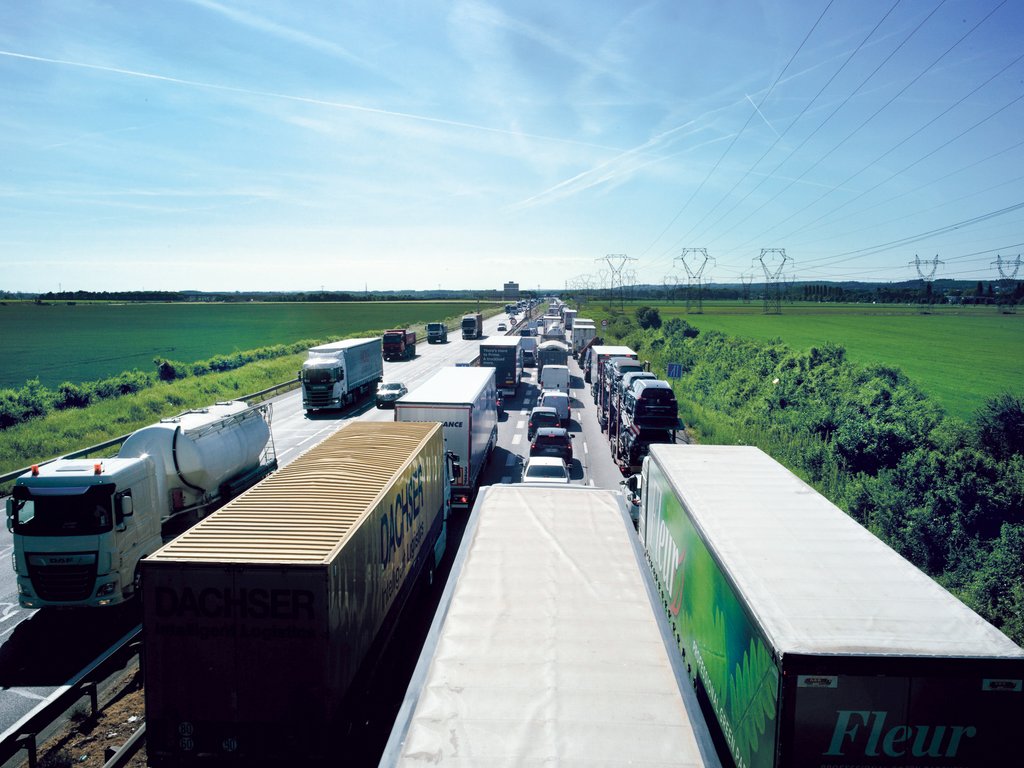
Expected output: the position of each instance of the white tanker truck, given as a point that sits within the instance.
(81, 526)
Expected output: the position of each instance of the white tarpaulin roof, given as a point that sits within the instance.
(816, 580)
(550, 652)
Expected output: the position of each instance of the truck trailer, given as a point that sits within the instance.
(399, 344)
(505, 355)
(551, 352)
(473, 325)
(549, 646)
(338, 374)
(583, 330)
(257, 621)
(464, 400)
(814, 643)
(81, 526)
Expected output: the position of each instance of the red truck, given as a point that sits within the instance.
(399, 344)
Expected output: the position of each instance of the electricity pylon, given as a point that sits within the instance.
(773, 262)
(694, 260)
(1007, 279)
(926, 272)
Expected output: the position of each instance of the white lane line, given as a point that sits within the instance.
(516, 439)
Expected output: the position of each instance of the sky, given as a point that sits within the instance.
(413, 144)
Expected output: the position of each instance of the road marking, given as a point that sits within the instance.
(520, 424)
(516, 439)
(585, 447)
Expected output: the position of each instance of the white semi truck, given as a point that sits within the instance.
(549, 647)
(82, 526)
(335, 375)
(464, 400)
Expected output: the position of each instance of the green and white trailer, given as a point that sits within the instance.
(812, 642)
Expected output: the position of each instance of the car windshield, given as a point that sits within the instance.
(390, 387)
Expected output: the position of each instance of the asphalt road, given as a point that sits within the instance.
(39, 651)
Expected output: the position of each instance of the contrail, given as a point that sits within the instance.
(759, 112)
(302, 100)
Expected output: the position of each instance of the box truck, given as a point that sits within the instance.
(399, 344)
(472, 325)
(549, 646)
(583, 330)
(464, 400)
(257, 620)
(340, 373)
(505, 355)
(814, 643)
(81, 526)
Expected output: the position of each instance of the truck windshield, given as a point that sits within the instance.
(393, 338)
(321, 375)
(67, 511)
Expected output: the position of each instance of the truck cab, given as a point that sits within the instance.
(80, 529)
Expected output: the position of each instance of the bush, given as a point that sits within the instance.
(648, 317)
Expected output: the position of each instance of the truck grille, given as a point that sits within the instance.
(318, 399)
(63, 582)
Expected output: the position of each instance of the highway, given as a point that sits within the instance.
(40, 651)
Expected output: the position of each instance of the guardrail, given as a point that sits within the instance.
(24, 735)
(84, 452)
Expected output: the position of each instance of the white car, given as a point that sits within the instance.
(545, 469)
(502, 327)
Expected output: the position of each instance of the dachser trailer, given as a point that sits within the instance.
(814, 643)
(464, 400)
(549, 646)
(258, 619)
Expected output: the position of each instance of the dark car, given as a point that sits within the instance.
(541, 416)
(552, 441)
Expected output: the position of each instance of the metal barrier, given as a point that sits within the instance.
(24, 734)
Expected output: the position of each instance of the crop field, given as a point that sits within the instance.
(90, 341)
(959, 355)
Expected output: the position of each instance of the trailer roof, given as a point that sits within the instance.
(501, 341)
(546, 648)
(817, 581)
(335, 346)
(613, 351)
(305, 511)
(456, 385)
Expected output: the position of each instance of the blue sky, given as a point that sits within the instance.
(222, 145)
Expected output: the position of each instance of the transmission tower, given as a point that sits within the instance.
(1007, 284)
(773, 262)
(671, 283)
(616, 262)
(746, 280)
(694, 260)
(926, 272)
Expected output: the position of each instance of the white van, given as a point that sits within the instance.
(555, 377)
(553, 398)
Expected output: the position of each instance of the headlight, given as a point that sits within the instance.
(106, 589)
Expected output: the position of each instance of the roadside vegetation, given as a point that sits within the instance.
(946, 493)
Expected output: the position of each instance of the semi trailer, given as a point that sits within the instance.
(338, 374)
(505, 355)
(812, 642)
(259, 621)
(549, 646)
(464, 400)
(473, 325)
(82, 526)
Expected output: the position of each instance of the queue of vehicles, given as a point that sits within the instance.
(843, 655)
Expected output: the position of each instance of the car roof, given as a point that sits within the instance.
(549, 460)
(552, 432)
(641, 384)
(544, 409)
(552, 393)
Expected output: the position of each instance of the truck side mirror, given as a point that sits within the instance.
(10, 515)
(127, 507)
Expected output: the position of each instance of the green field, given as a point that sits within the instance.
(90, 341)
(959, 355)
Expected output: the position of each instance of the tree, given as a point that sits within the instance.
(1000, 425)
(648, 317)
